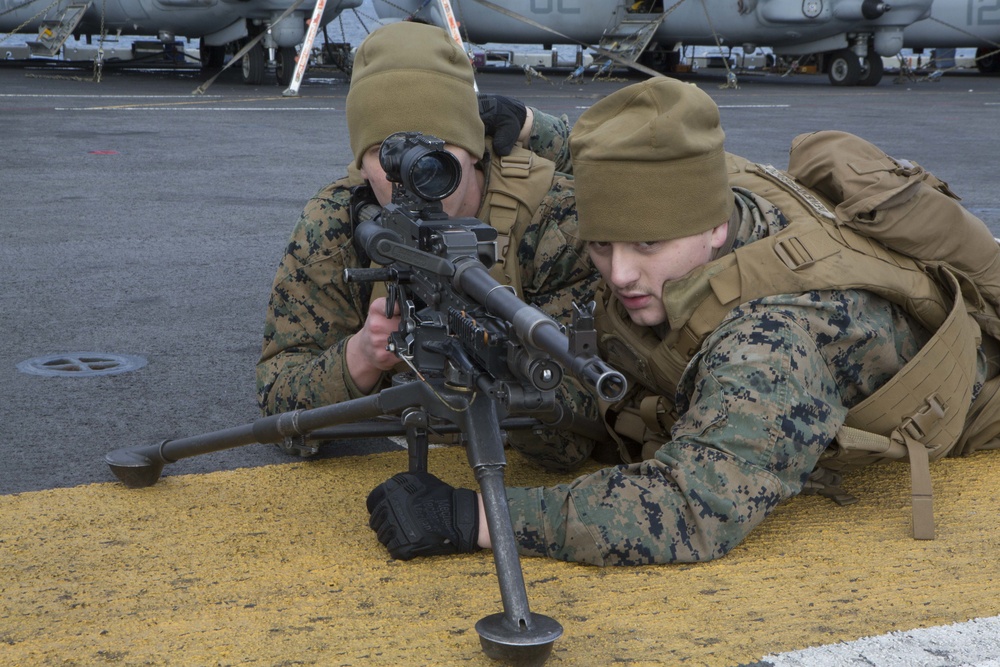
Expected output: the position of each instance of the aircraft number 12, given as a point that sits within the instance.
(984, 9)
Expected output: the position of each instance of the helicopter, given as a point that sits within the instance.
(223, 26)
(850, 37)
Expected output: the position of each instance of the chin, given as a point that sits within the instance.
(646, 319)
(639, 318)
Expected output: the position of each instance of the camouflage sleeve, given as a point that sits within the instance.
(550, 139)
(312, 312)
(758, 406)
(556, 271)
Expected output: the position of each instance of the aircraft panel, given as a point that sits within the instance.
(957, 24)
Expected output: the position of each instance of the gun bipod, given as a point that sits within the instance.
(517, 633)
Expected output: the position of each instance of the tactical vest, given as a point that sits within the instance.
(515, 186)
(922, 413)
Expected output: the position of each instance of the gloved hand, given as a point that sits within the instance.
(503, 117)
(416, 514)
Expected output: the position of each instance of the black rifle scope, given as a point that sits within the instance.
(420, 164)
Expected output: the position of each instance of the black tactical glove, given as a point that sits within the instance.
(503, 117)
(416, 514)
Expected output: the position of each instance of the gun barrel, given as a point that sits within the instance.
(537, 329)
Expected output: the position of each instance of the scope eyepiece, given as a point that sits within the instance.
(421, 164)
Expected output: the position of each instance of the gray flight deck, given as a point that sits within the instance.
(139, 219)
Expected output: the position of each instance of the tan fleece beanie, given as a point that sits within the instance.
(412, 77)
(649, 164)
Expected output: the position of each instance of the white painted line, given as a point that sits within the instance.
(108, 97)
(143, 108)
(975, 643)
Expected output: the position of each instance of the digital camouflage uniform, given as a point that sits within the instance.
(313, 311)
(758, 404)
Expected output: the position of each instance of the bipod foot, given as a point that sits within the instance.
(133, 468)
(524, 646)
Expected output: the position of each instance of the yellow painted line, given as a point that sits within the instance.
(277, 564)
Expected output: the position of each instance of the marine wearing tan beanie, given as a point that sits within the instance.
(649, 164)
(411, 77)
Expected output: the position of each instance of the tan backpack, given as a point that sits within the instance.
(903, 206)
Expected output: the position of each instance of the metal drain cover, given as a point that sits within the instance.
(81, 364)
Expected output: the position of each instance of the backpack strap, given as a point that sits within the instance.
(920, 412)
(516, 185)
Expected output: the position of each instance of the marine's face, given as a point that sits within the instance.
(636, 272)
(463, 202)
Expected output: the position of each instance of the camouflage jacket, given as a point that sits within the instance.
(312, 311)
(758, 404)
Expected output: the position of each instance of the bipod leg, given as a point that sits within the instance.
(415, 422)
(140, 466)
(517, 635)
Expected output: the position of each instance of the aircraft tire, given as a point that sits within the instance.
(844, 68)
(987, 64)
(871, 70)
(254, 63)
(660, 59)
(212, 58)
(285, 69)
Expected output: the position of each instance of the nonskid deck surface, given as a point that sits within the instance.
(276, 564)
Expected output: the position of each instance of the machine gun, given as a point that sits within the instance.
(480, 358)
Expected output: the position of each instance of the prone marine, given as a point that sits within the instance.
(776, 328)
(324, 338)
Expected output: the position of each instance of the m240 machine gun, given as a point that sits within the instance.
(481, 360)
